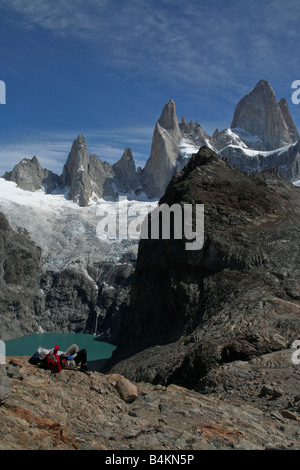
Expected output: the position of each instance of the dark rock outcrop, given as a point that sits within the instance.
(21, 268)
(236, 298)
(69, 301)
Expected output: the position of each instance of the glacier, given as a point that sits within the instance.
(64, 231)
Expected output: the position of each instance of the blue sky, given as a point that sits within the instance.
(105, 68)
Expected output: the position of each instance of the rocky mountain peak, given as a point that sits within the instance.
(265, 87)
(264, 118)
(127, 155)
(79, 149)
(168, 118)
(165, 150)
(80, 142)
(30, 176)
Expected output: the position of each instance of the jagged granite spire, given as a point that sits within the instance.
(161, 165)
(168, 119)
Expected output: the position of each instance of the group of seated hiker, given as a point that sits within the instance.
(56, 360)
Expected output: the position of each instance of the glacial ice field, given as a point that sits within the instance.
(66, 232)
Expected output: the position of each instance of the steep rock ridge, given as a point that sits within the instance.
(260, 114)
(69, 301)
(236, 298)
(173, 144)
(30, 176)
(93, 299)
(161, 165)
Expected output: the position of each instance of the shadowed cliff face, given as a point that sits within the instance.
(20, 262)
(236, 298)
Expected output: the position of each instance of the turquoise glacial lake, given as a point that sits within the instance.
(98, 352)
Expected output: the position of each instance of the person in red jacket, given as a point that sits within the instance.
(53, 361)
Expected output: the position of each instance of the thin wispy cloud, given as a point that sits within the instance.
(192, 41)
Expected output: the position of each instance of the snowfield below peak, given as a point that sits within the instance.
(64, 231)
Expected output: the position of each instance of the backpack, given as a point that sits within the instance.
(35, 359)
(38, 357)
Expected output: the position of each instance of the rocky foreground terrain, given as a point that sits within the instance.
(255, 406)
